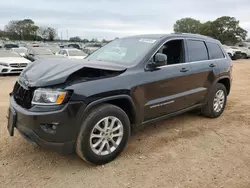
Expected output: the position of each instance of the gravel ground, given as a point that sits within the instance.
(184, 151)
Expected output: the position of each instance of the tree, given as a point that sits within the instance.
(24, 29)
(104, 41)
(226, 29)
(75, 39)
(85, 40)
(94, 40)
(47, 33)
(51, 33)
(187, 25)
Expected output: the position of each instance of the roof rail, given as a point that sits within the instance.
(193, 34)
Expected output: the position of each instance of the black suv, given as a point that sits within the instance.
(91, 106)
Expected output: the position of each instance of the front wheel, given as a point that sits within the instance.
(103, 135)
(216, 101)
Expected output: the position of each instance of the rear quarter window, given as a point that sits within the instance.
(215, 52)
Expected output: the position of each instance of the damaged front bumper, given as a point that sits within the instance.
(56, 130)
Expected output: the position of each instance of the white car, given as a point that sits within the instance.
(21, 50)
(72, 53)
(246, 52)
(230, 51)
(11, 62)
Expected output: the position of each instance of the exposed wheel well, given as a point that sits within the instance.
(226, 83)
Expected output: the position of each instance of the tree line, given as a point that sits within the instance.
(225, 29)
(27, 30)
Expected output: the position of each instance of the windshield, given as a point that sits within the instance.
(19, 50)
(8, 54)
(123, 51)
(42, 51)
(76, 53)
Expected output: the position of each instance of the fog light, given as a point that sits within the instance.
(4, 70)
(49, 127)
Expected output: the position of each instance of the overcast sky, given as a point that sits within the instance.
(110, 18)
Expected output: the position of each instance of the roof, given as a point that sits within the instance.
(182, 35)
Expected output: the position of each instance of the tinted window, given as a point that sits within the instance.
(214, 51)
(197, 50)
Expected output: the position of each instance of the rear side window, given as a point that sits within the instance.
(197, 50)
(215, 51)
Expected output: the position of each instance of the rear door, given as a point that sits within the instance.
(205, 69)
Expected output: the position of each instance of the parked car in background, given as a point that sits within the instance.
(21, 51)
(90, 48)
(239, 52)
(11, 62)
(10, 45)
(233, 53)
(91, 106)
(246, 52)
(35, 53)
(71, 45)
(53, 49)
(72, 53)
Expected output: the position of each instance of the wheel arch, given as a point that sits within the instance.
(124, 102)
(226, 82)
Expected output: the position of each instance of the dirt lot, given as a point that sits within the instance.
(184, 151)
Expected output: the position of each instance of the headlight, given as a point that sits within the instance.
(49, 97)
(4, 64)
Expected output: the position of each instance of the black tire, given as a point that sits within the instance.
(208, 110)
(83, 147)
(244, 56)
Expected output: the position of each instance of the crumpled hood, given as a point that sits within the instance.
(47, 72)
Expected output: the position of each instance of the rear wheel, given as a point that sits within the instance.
(103, 135)
(216, 101)
(244, 56)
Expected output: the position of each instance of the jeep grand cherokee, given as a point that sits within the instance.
(91, 106)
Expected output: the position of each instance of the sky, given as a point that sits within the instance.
(118, 18)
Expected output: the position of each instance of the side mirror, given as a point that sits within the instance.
(159, 60)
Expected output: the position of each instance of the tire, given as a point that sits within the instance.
(209, 109)
(85, 143)
(244, 56)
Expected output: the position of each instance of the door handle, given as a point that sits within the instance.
(184, 70)
(212, 65)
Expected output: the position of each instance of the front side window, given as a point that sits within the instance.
(125, 51)
(197, 50)
(215, 51)
(174, 50)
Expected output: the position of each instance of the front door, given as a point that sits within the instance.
(168, 90)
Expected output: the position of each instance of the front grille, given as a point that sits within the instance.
(238, 52)
(17, 65)
(22, 96)
(16, 70)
